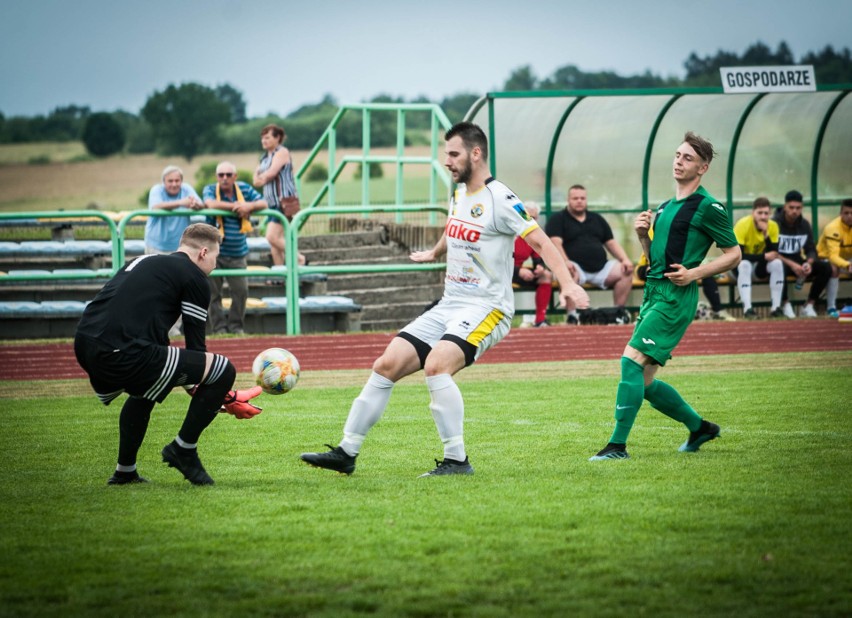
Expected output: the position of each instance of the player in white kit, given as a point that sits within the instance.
(474, 313)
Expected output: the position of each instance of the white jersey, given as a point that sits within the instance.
(481, 230)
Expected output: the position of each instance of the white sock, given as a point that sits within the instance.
(365, 412)
(775, 268)
(831, 292)
(744, 271)
(447, 408)
(120, 468)
(183, 444)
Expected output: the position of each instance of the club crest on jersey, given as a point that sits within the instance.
(457, 229)
(519, 208)
(476, 211)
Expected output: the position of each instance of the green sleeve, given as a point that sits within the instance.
(717, 224)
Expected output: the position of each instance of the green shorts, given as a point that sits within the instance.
(667, 311)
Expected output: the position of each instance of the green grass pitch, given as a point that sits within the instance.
(755, 524)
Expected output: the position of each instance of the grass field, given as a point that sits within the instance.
(755, 524)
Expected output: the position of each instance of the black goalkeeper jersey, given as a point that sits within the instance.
(144, 299)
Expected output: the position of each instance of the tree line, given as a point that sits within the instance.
(191, 119)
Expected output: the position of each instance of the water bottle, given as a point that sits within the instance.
(799, 283)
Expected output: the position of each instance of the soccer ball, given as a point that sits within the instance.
(276, 371)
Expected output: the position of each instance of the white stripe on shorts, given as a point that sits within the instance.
(172, 355)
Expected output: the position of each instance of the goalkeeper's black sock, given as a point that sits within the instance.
(132, 425)
(205, 404)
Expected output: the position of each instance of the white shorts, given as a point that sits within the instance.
(598, 278)
(482, 327)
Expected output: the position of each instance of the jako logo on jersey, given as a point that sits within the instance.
(476, 211)
(647, 341)
(718, 206)
(519, 208)
(457, 229)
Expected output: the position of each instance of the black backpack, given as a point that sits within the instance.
(605, 315)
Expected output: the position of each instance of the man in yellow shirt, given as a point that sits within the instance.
(757, 236)
(835, 246)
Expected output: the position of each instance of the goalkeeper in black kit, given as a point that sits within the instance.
(122, 343)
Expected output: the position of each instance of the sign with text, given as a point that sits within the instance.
(737, 80)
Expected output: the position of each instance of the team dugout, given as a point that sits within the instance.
(620, 144)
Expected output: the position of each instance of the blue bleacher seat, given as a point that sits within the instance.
(257, 243)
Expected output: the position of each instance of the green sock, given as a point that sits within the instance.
(666, 399)
(628, 400)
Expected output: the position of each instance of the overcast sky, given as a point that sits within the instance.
(113, 54)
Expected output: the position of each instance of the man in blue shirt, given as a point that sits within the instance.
(242, 200)
(162, 234)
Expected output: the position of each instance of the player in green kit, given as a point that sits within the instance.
(684, 229)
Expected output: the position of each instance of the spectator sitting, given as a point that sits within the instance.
(798, 252)
(240, 198)
(531, 273)
(757, 236)
(162, 234)
(584, 238)
(835, 246)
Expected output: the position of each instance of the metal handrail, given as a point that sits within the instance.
(335, 168)
(292, 253)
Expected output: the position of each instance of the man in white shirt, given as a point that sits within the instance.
(474, 314)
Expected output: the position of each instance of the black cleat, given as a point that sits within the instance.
(448, 466)
(187, 462)
(750, 314)
(708, 431)
(336, 459)
(611, 451)
(126, 478)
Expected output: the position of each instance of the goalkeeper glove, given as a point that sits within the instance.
(237, 403)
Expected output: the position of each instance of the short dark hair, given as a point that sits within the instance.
(847, 203)
(761, 202)
(471, 135)
(275, 130)
(198, 235)
(701, 146)
(579, 187)
(793, 196)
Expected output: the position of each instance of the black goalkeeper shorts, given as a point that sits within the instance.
(145, 370)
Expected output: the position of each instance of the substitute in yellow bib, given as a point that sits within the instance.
(835, 246)
(757, 236)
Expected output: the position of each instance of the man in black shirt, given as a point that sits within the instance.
(584, 238)
(122, 343)
(797, 251)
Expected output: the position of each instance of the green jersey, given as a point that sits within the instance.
(684, 231)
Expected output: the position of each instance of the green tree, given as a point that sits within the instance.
(830, 67)
(457, 105)
(233, 98)
(102, 135)
(185, 118)
(705, 71)
(521, 78)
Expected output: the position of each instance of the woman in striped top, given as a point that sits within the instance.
(275, 175)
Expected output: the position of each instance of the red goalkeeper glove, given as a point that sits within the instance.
(237, 403)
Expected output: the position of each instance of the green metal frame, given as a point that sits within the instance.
(676, 93)
(735, 140)
(815, 163)
(328, 139)
(292, 254)
(551, 154)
